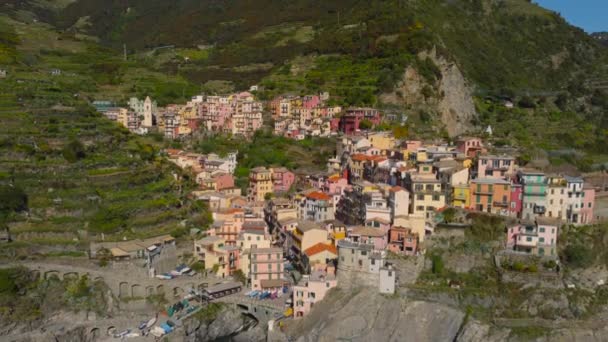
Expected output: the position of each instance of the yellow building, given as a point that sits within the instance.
(427, 196)
(260, 184)
(306, 235)
(461, 196)
(382, 140)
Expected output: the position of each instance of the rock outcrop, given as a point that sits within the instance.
(368, 316)
(452, 99)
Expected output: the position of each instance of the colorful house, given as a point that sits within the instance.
(534, 202)
(350, 121)
(312, 289)
(538, 238)
(282, 179)
(368, 235)
(266, 269)
(260, 184)
(217, 255)
(492, 195)
(461, 196)
(495, 166)
(403, 241)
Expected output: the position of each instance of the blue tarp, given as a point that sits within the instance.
(166, 328)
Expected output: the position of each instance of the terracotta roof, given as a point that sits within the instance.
(396, 188)
(334, 179)
(367, 231)
(318, 195)
(359, 157)
(321, 247)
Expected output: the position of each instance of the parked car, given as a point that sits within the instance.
(122, 333)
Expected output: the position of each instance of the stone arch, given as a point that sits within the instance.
(94, 334)
(111, 330)
(243, 307)
(98, 279)
(190, 287)
(160, 289)
(123, 289)
(137, 291)
(149, 290)
(51, 273)
(178, 292)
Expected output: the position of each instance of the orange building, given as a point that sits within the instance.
(490, 195)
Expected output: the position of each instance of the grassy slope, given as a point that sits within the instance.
(120, 188)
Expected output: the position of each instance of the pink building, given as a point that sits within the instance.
(223, 181)
(538, 238)
(403, 241)
(369, 235)
(228, 224)
(470, 146)
(282, 179)
(312, 289)
(310, 101)
(412, 145)
(587, 205)
(350, 121)
(495, 166)
(266, 269)
(516, 200)
(335, 185)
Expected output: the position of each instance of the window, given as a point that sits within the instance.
(541, 240)
(542, 229)
(420, 208)
(360, 263)
(435, 197)
(589, 205)
(528, 238)
(327, 284)
(420, 197)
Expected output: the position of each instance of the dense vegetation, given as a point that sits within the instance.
(268, 150)
(25, 297)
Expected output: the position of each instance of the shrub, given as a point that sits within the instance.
(578, 255)
(518, 266)
(73, 151)
(533, 268)
(551, 264)
(438, 266)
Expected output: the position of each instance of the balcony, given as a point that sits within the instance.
(483, 192)
(500, 204)
(527, 241)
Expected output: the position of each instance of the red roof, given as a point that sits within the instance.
(321, 247)
(318, 195)
(360, 157)
(334, 179)
(397, 188)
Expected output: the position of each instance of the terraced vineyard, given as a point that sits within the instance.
(113, 184)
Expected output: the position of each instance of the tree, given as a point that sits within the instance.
(239, 276)
(12, 199)
(437, 264)
(400, 132)
(578, 255)
(73, 151)
(365, 124)
(527, 102)
(449, 215)
(268, 196)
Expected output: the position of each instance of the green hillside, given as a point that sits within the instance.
(83, 174)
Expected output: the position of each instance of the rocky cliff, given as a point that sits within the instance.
(365, 315)
(451, 97)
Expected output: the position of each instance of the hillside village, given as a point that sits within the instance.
(380, 197)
